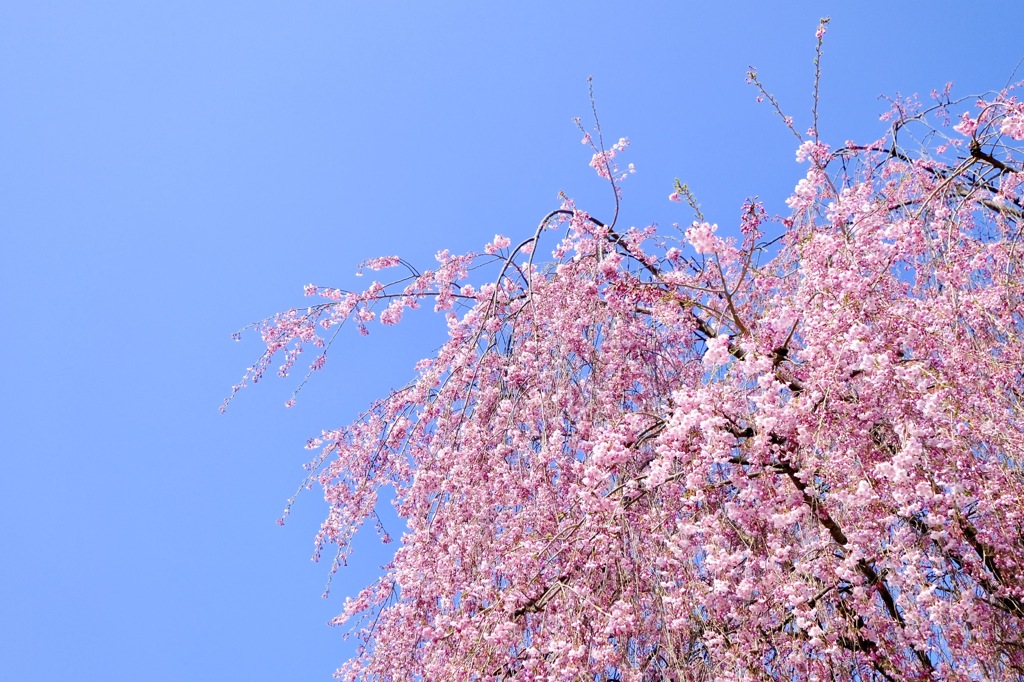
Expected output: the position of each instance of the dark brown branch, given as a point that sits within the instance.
(978, 153)
(839, 537)
(538, 603)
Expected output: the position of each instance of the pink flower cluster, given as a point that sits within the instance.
(604, 161)
(798, 457)
(702, 237)
(500, 242)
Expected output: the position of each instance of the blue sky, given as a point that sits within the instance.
(170, 172)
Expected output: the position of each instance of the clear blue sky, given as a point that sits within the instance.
(170, 171)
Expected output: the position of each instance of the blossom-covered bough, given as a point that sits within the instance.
(793, 454)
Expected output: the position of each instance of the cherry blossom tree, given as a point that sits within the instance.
(795, 453)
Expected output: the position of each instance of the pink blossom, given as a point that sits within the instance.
(1013, 125)
(499, 242)
(717, 352)
(603, 161)
(702, 237)
(967, 125)
(382, 262)
(393, 313)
